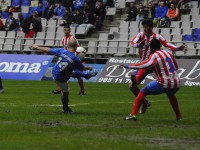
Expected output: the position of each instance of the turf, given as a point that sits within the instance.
(31, 119)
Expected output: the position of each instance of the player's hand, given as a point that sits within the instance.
(142, 43)
(121, 66)
(33, 47)
(183, 48)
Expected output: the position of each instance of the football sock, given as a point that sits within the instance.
(138, 101)
(80, 82)
(1, 86)
(175, 106)
(81, 74)
(135, 90)
(65, 102)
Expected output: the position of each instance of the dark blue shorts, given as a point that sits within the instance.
(154, 88)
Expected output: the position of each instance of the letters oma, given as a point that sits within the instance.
(20, 67)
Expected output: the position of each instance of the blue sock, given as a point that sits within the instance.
(1, 86)
(80, 74)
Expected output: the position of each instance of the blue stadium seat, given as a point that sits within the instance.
(26, 3)
(197, 38)
(16, 3)
(196, 31)
(5, 14)
(25, 15)
(188, 37)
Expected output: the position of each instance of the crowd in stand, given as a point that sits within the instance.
(86, 13)
(160, 11)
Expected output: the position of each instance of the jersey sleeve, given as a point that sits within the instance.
(135, 40)
(166, 44)
(54, 51)
(152, 61)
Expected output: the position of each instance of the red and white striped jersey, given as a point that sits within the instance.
(145, 51)
(66, 39)
(164, 67)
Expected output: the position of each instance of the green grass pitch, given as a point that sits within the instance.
(31, 119)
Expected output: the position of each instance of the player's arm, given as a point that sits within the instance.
(171, 46)
(40, 48)
(135, 41)
(152, 61)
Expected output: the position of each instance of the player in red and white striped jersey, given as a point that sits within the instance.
(67, 36)
(165, 68)
(141, 41)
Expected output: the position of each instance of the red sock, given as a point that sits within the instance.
(174, 104)
(138, 101)
(81, 85)
(136, 91)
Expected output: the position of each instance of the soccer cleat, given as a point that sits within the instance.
(56, 91)
(91, 74)
(68, 111)
(82, 93)
(144, 107)
(2, 91)
(178, 118)
(131, 117)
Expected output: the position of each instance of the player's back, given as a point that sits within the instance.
(166, 69)
(67, 61)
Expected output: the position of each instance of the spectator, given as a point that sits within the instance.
(36, 23)
(2, 28)
(11, 23)
(78, 4)
(150, 12)
(90, 5)
(67, 3)
(100, 14)
(40, 9)
(173, 13)
(132, 12)
(78, 18)
(161, 12)
(49, 12)
(154, 3)
(59, 11)
(20, 22)
(168, 3)
(68, 18)
(3, 6)
(110, 3)
(140, 13)
(88, 21)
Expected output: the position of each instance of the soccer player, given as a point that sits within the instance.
(67, 36)
(165, 69)
(64, 67)
(141, 41)
(1, 86)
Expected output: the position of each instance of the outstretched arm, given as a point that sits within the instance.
(42, 49)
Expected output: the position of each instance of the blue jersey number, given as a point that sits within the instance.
(170, 65)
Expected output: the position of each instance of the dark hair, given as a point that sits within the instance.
(66, 26)
(148, 22)
(155, 44)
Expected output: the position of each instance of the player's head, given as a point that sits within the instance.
(155, 44)
(147, 26)
(66, 30)
(72, 45)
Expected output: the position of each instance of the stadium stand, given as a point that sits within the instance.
(112, 40)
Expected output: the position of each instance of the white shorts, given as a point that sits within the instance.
(63, 86)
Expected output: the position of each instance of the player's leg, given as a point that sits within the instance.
(152, 88)
(174, 102)
(136, 79)
(81, 85)
(65, 96)
(1, 86)
(77, 74)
